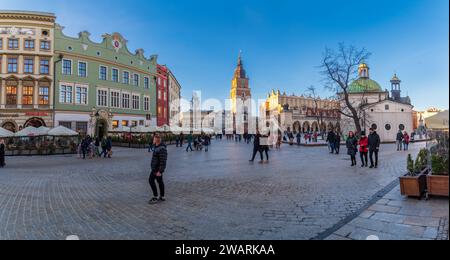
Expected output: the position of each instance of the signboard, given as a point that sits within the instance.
(36, 114)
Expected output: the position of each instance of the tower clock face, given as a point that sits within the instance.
(116, 44)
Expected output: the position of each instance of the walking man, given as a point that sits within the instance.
(264, 147)
(374, 147)
(158, 165)
(189, 141)
(331, 140)
(207, 142)
(399, 140)
(337, 142)
(256, 147)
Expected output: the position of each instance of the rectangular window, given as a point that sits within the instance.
(136, 101)
(45, 45)
(136, 79)
(124, 123)
(102, 98)
(165, 96)
(28, 65)
(66, 124)
(141, 122)
(65, 94)
(134, 123)
(11, 95)
(115, 124)
(29, 44)
(67, 67)
(146, 83)
(103, 74)
(159, 94)
(13, 44)
(115, 75)
(80, 95)
(82, 69)
(1, 44)
(43, 96)
(27, 95)
(12, 65)
(125, 100)
(126, 78)
(115, 99)
(44, 67)
(386, 107)
(146, 103)
(81, 127)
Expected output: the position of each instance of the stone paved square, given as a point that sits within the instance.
(301, 194)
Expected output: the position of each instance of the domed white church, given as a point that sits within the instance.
(386, 112)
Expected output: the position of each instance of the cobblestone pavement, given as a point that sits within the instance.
(301, 194)
(394, 217)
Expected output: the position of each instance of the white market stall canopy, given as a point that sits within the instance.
(5, 133)
(439, 121)
(32, 131)
(62, 131)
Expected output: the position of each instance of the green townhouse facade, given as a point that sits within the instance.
(102, 86)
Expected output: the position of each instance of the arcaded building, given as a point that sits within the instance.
(303, 113)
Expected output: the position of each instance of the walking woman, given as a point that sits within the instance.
(364, 149)
(352, 147)
(2, 153)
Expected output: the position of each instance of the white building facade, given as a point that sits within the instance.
(386, 112)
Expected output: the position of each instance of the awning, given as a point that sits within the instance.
(439, 121)
(5, 133)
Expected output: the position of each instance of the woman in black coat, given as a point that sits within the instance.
(2, 153)
(352, 147)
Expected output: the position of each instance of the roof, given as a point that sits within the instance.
(26, 12)
(364, 85)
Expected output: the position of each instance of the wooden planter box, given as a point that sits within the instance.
(414, 186)
(437, 185)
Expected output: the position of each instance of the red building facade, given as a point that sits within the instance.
(162, 96)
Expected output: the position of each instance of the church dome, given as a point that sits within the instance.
(364, 85)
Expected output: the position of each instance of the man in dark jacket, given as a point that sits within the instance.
(256, 147)
(374, 147)
(399, 140)
(331, 140)
(158, 165)
(337, 142)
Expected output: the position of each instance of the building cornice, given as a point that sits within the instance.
(25, 15)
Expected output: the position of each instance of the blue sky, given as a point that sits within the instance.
(282, 41)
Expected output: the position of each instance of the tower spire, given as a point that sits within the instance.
(240, 58)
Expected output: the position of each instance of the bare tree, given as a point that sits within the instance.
(317, 109)
(340, 68)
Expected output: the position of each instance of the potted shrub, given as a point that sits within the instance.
(414, 183)
(437, 181)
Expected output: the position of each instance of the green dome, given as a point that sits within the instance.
(364, 85)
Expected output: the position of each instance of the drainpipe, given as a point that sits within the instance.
(60, 58)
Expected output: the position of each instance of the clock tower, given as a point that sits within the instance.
(240, 94)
